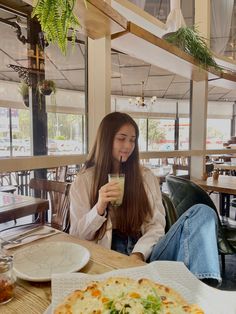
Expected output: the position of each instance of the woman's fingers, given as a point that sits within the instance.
(109, 192)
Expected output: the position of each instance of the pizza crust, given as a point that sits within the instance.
(125, 295)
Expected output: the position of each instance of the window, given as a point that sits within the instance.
(161, 134)
(65, 133)
(14, 132)
(218, 132)
(184, 133)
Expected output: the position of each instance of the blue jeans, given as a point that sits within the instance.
(191, 240)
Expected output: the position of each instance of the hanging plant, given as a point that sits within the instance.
(189, 40)
(56, 18)
(46, 87)
(24, 91)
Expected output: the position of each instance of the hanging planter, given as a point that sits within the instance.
(57, 18)
(24, 91)
(46, 87)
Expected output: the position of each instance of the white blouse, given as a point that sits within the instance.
(85, 221)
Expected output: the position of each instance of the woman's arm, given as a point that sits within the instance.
(84, 220)
(154, 228)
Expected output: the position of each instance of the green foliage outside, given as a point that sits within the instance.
(60, 126)
(156, 133)
(214, 133)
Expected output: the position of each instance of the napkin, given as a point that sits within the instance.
(43, 232)
(172, 274)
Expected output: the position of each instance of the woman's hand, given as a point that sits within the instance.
(107, 193)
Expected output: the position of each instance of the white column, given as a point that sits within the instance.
(99, 84)
(199, 95)
(198, 126)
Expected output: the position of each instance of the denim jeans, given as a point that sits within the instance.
(191, 240)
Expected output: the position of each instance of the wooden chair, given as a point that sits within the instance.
(58, 196)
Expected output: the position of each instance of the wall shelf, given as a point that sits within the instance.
(140, 43)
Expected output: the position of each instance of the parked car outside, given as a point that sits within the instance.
(4, 144)
(52, 146)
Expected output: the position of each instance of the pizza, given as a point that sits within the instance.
(119, 295)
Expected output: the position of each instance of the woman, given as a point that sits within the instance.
(136, 228)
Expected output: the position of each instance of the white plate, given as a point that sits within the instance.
(39, 261)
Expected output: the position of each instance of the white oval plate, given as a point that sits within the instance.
(39, 261)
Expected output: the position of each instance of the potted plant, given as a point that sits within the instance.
(46, 87)
(189, 40)
(56, 18)
(24, 91)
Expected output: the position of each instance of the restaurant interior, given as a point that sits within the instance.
(52, 100)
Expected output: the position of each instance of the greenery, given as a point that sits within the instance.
(48, 86)
(23, 89)
(56, 18)
(189, 40)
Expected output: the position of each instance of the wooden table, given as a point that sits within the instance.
(228, 167)
(14, 206)
(34, 298)
(225, 185)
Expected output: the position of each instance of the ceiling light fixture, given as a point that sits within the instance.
(141, 101)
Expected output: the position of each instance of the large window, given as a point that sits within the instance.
(218, 132)
(156, 134)
(65, 133)
(161, 134)
(142, 125)
(184, 127)
(65, 111)
(14, 132)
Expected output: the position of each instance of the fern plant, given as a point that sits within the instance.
(56, 18)
(189, 40)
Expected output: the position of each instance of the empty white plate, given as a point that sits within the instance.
(39, 261)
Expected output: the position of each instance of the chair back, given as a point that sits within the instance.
(61, 173)
(184, 194)
(58, 195)
(171, 214)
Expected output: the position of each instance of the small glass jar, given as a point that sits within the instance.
(7, 279)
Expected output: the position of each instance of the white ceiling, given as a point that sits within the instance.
(69, 72)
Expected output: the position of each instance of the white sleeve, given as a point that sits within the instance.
(84, 221)
(153, 229)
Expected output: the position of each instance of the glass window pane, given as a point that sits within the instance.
(161, 134)
(19, 120)
(142, 125)
(65, 134)
(184, 133)
(218, 132)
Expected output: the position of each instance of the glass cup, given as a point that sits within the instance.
(7, 279)
(119, 177)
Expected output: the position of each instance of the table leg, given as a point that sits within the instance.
(224, 204)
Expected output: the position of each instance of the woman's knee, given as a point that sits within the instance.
(205, 211)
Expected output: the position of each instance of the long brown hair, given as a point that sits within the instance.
(135, 207)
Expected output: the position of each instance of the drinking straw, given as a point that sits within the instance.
(120, 166)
